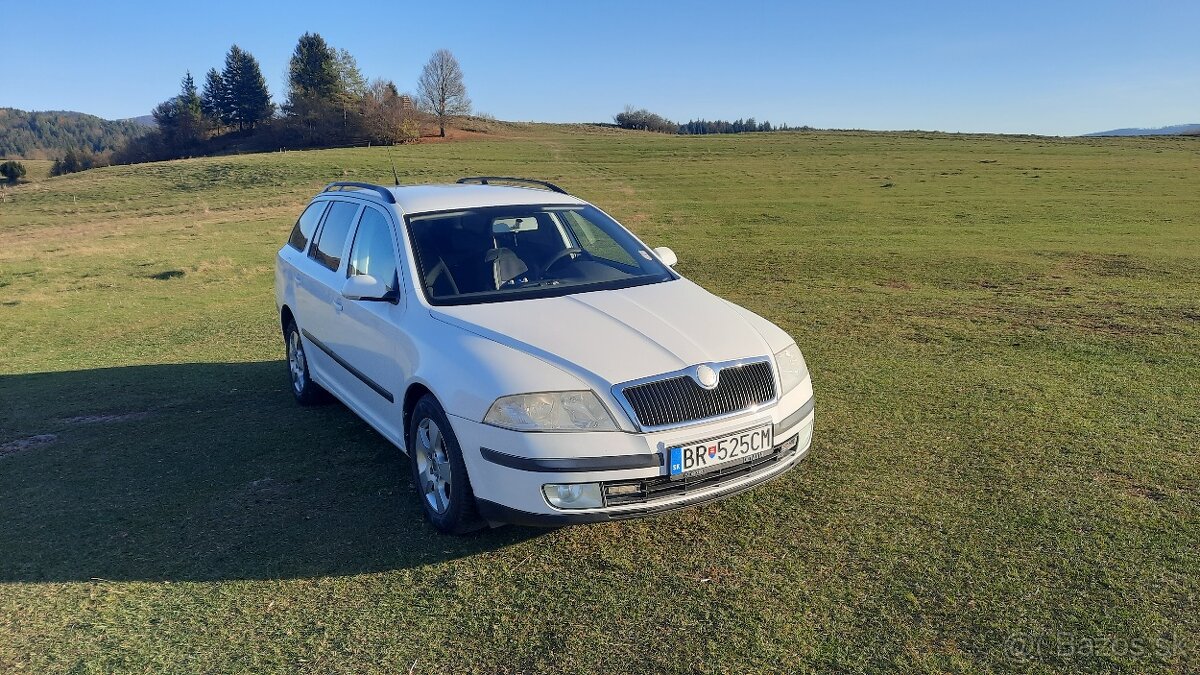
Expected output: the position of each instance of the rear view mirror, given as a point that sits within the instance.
(367, 287)
(666, 255)
(514, 225)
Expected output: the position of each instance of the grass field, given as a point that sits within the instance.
(1002, 334)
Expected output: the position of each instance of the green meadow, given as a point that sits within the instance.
(1004, 340)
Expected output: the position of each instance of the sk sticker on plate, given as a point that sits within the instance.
(676, 461)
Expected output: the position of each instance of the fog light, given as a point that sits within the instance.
(574, 495)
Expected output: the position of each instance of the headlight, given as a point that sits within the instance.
(551, 411)
(792, 369)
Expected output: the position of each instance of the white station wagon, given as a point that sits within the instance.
(536, 361)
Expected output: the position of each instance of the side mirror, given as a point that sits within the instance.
(366, 287)
(666, 255)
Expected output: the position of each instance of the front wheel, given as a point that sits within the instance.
(438, 471)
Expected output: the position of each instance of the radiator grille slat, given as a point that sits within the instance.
(679, 399)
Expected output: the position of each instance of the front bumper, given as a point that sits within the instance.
(509, 468)
(498, 513)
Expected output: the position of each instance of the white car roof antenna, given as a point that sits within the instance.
(392, 160)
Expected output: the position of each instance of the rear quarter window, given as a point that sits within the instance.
(306, 225)
(331, 240)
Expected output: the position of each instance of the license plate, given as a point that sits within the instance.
(714, 453)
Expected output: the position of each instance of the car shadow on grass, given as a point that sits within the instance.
(198, 472)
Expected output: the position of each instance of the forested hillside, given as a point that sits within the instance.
(42, 135)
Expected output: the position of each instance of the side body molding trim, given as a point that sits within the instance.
(375, 386)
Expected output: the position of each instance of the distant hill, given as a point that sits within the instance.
(1175, 130)
(47, 134)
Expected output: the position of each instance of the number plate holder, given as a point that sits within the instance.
(718, 452)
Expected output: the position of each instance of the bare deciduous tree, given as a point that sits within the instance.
(441, 90)
(384, 113)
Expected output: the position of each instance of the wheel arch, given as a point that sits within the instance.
(414, 393)
(285, 317)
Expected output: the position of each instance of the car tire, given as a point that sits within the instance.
(304, 389)
(438, 471)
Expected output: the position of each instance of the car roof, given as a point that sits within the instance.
(412, 199)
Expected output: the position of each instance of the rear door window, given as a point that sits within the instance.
(331, 240)
(306, 225)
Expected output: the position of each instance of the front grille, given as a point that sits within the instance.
(641, 490)
(680, 399)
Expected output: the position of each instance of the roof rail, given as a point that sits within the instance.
(341, 187)
(485, 180)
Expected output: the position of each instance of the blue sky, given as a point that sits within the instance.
(1012, 67)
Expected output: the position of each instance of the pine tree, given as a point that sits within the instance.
(214, 102)
(313, 70)
(352, 84)
(12, 171)
(190, 119)
(248, 103)
(189, 97)
(180, 120)
(319, 108)
(230, 76)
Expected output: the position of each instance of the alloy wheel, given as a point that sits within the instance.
(296, 361)
(433, 465)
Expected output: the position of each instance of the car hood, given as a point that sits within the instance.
(619, 335)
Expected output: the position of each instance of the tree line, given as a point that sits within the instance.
(644, 120)
(738, 126)
(44, 135)
(328, 103)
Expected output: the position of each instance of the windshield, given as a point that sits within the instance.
(516, 252)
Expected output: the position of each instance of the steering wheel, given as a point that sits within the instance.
(574, 250)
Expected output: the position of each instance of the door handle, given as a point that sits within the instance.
(337, 305)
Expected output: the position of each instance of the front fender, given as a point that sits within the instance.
(467, 372)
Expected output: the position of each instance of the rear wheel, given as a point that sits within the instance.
(438, 471)
(304, 389)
